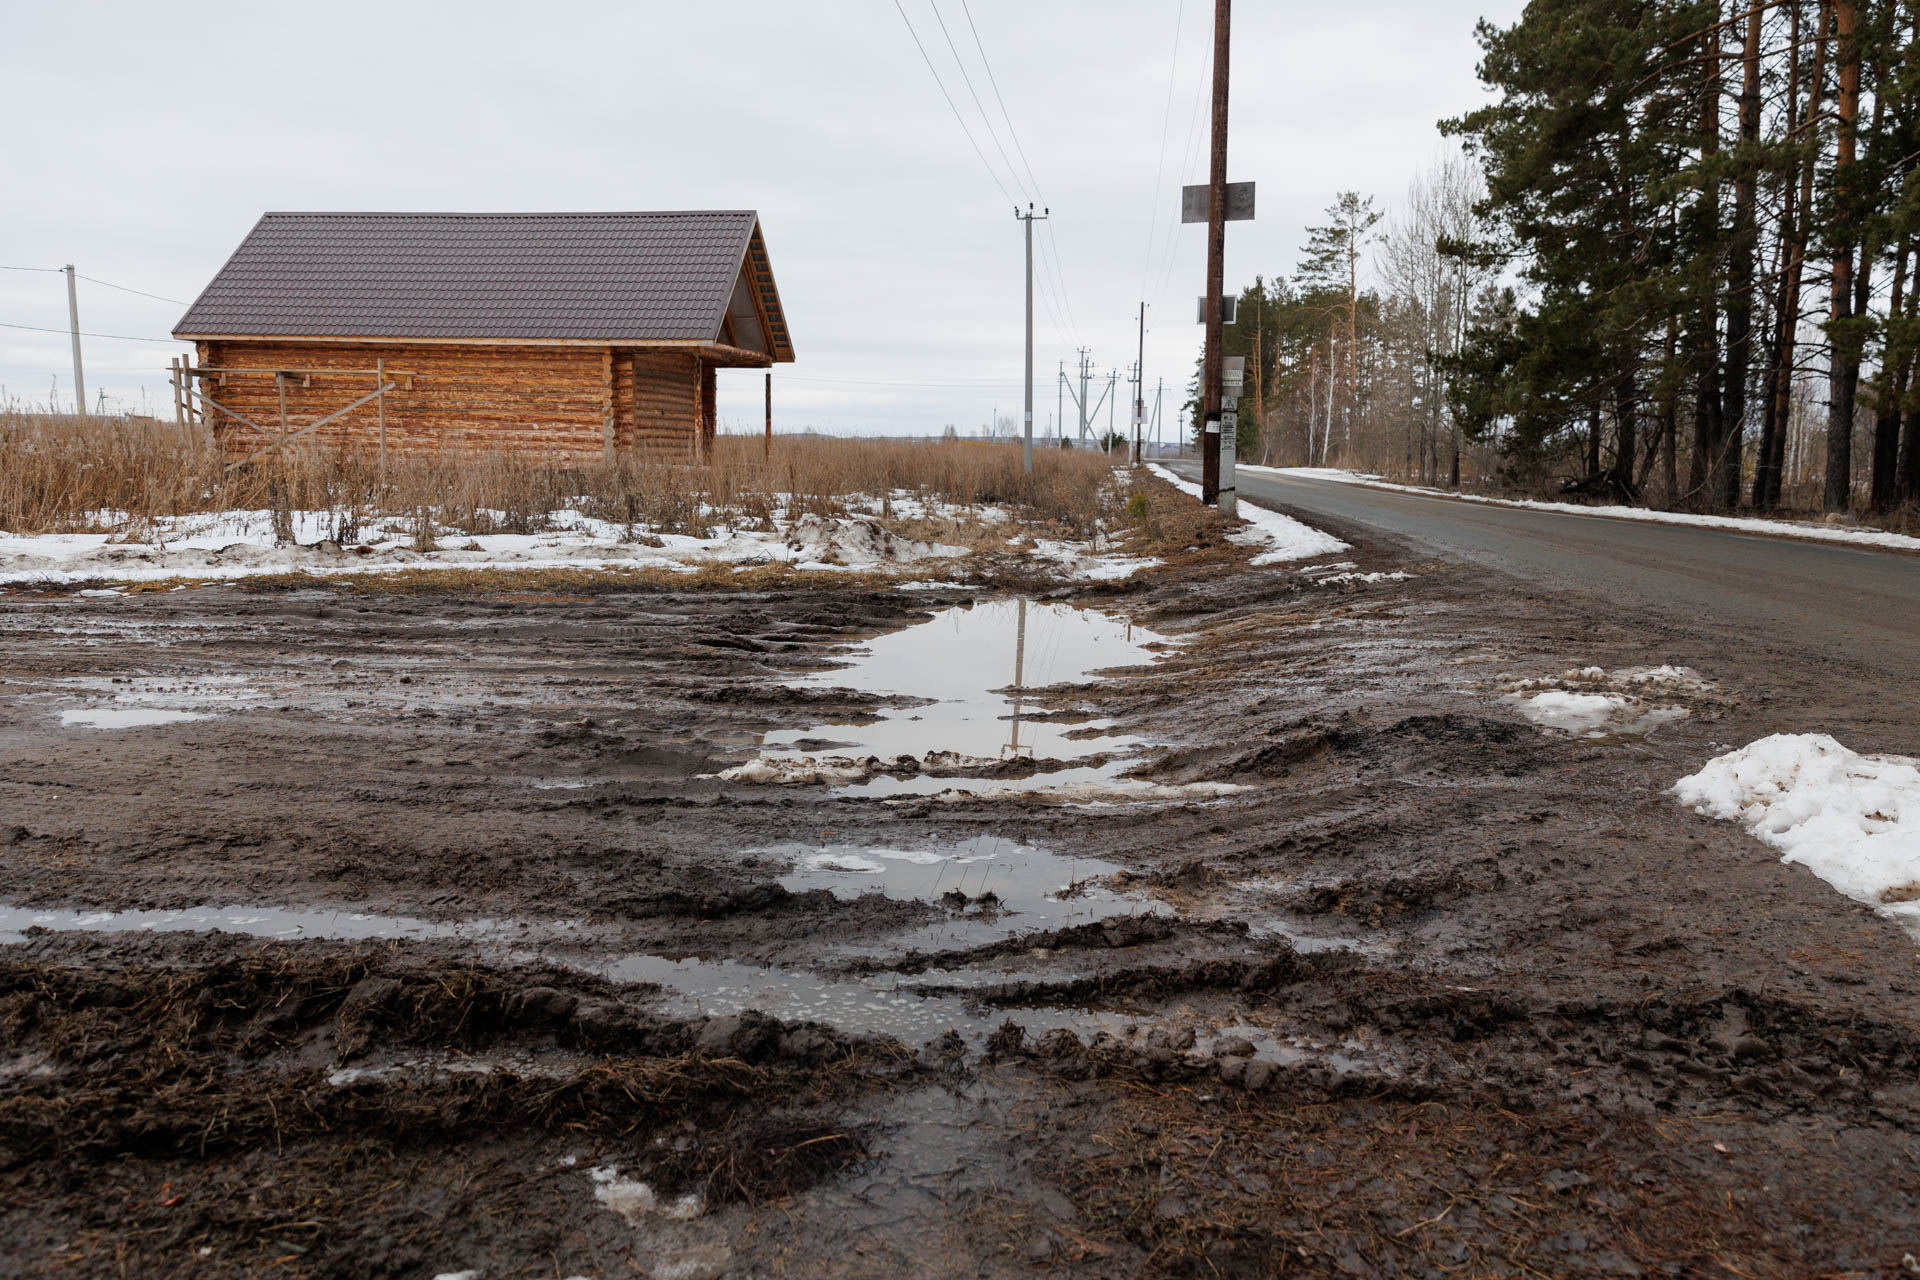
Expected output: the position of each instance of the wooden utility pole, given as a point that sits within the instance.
(1216, 261)
(768, 451)
(1845, 361)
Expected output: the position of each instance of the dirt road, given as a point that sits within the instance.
(609, 935)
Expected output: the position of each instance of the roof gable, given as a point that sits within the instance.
(586, 277)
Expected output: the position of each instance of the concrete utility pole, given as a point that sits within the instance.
(1140, 387)
(1082, 402)
(1029, 218)
(73, 318)
(1216, 259)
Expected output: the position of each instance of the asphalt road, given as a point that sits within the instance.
(1853, 604)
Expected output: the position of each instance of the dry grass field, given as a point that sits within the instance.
(68, 475)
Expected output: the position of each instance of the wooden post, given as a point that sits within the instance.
(380, 411)
(769, 448)
(280, 387)
(179, 413)
(606, 402)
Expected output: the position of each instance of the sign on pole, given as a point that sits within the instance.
(1193, 203)
(1229, 309)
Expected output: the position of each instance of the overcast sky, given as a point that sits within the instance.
(144, 141)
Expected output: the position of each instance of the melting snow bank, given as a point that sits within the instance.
(1284, 537)
(239, 544)
(1852, 820)
(1741, 524)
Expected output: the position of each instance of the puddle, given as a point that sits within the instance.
(869, 1006)
(265, 922)
(693, 986)
(124, 717)
(1031, 888)
(1286, 1051)
(976, 666)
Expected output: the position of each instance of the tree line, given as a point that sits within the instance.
(1675, 260)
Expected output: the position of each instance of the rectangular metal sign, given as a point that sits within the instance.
(1229, 309)
(1193, 203)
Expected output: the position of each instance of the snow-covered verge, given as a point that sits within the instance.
(1852, 820)
(1284, 537)
(239, 544)
(1739, 524)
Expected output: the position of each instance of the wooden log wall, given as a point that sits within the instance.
(564, 403)
(666, 405)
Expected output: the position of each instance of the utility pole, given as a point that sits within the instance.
(1060, 405)
(1216, 260)
(1140, 387)
(73, 318)
(1084, 352)
(1113, 401)
(1160, 390)
(1029, 217)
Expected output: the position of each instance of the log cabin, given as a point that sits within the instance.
(568, 336)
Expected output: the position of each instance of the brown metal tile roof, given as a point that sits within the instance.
(601, 277)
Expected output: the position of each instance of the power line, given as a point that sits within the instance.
(992, 80)
(1160, 166)
(1186, 164)
(1055, 268)
(975, 383)
(123, 337)
(978, 105)
(1060, 270)
(143, 293)
(958, 118)
(106, 283)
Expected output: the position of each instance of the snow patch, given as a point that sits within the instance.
(842, 861)
(1853, 820)
(1593, 702)
(1081, 561)
(1596, 715)
(826, 540)
(636, 1201)
(1284, 537)
(1331, 579)
(800, 771)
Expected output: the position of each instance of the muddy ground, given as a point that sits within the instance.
(1434, 991)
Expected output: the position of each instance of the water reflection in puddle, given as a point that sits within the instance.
(870, 1006)
(976, 665)
(995, 888)
(123, 717)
